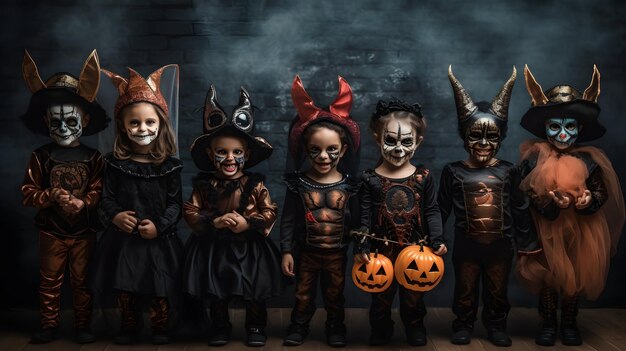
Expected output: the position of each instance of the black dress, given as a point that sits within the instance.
(127, 262)
(221, 263)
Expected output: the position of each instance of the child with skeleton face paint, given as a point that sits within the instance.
(140, 253)
(398, 201)
(320, 206)
(64, 182)
(231, 215)
(489, 209)
(577, 203)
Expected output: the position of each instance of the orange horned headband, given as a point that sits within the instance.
(137, 89)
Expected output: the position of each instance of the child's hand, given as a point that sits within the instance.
(442, 250)
(287, 265)
(73, 205)
(224, 221)
(361, 257)
(241, 224)
(126, 221)
(584, 201)
(563, 201)
(60, 196)
(147, 229)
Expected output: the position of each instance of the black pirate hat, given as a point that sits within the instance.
(564, 101)
(64, 88)
(239, 124)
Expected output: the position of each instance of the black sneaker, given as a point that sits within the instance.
(461, 337)
(126, 337)
(381, 336)
(416, 337)
(256, 337)
(220, 336)
(44, 336)
(84, 336)
(499, 338)
(295, 335)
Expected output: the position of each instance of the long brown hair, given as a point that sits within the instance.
(163, 147)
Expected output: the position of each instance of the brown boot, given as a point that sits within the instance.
(159, 312)
(129, 327)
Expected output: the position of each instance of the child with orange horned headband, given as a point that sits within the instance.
(140, 252)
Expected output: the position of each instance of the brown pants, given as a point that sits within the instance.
(332, 267)
(55, 253)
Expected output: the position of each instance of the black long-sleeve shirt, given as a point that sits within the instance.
(487, 203)
(403, 209)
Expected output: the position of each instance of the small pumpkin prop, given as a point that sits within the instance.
(417, 268)
(375, 276)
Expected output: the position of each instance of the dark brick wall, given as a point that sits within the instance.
(383, 49)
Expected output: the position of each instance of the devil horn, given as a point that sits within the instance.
(500, 104)
(302, 101)
(464, 104)
(343, 103)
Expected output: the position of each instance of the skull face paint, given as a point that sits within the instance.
(562, 132)
(398, 142)
(324, 149)
(65, 123)
(229, 155)
(141, 122)
(482, 140)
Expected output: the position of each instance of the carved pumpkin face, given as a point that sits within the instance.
(375, 276)
(417, 268)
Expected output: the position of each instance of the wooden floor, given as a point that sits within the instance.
(603, 329)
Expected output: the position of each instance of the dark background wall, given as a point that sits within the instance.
(383, 49)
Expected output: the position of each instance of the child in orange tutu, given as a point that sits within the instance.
(578, 207)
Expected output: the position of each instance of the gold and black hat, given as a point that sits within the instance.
(240, 123)
(564, 101)
(64, 88)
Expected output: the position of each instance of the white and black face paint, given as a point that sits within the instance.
(65, 123)
(314, 153)
(482, 140)
(143, 135)
(398, 142)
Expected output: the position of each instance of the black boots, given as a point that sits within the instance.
(546, 336)
(570, 335)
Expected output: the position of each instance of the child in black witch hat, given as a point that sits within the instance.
(64, 182)
(231, 214)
